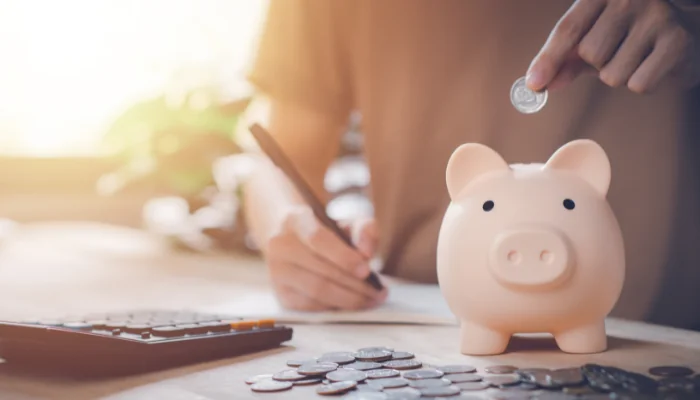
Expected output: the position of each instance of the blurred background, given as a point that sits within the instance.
(125, 113)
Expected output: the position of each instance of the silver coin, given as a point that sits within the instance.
(457, 378)
(288, 375)
(439, 391)
(456, 369)
(390, 383)
(258, 378)
(525, 100)
(363, 366)
(403, 364)
(340, 375)
(336, 387)
(382, 373)
(433, 382)
(423, 374)
(376, 348)
(296, 363)
(316, 368)
(269, 385)
(401, 355)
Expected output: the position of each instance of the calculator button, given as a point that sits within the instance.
(137, 328)
(168, 331)
(244, 325)
(266, 323)
(83, 326)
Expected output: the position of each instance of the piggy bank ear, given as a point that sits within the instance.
(468, 162)
(586, 159)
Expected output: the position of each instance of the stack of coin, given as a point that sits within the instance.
(381, 373)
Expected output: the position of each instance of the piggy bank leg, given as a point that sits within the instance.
(583, 339)
(479, 340)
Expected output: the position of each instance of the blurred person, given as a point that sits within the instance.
(427, 76)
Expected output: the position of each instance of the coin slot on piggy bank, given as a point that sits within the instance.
(530, 248)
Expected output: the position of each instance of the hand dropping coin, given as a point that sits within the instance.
(525, 100)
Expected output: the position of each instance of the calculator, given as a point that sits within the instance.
(133, 341)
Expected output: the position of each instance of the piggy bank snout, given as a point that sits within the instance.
(531, 257)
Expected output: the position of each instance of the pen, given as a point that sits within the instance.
(270, 147)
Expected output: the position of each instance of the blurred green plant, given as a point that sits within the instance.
(170, 142)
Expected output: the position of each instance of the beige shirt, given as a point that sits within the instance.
(427, 76)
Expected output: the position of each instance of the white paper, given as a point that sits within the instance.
(407, 303)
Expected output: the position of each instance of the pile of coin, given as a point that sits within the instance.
(381, 373)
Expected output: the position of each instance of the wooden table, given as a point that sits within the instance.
(83, 268)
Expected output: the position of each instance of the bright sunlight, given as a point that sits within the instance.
(68, 68)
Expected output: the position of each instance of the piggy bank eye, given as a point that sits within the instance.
(488, 205)
(569, 204)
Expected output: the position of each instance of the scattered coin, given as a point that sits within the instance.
(390, 382)
(376, 356)
(382, 373)
(342, 374)
(403, 364)
(270, 385)
(363, 366)
(471, 385)
(296, 363)
(257, 378)
(457, 378)
(317, 368)
(401, 355)
(433, 382)
(456, 369)
(423, 374)
(670, 370)
(304, 382)
(440, 391)
(336, 387)
(288, 375)
(500, 369)
(525, 100)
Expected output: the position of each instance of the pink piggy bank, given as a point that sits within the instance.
(530, 248)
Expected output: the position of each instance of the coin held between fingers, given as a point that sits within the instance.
(526, 100)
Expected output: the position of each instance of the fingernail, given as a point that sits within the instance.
(362, 270)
